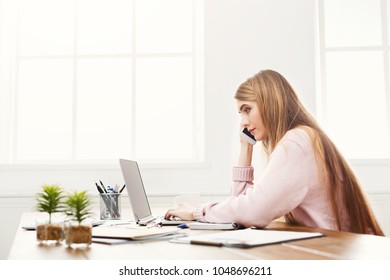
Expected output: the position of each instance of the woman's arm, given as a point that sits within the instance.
(283, 186)
(242, 178)
(243, 172)
(245, 156)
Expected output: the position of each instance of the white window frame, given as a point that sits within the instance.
(10, 84)
(322, 110)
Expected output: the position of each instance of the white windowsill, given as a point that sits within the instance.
(106, 166)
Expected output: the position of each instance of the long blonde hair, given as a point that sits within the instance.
(281, 110)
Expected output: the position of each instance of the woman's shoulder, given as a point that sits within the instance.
(299, 136)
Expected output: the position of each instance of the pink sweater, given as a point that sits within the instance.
(290, 182)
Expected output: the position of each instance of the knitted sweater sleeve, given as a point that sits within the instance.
(282, 187)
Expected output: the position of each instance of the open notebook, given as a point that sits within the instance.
(246, 238)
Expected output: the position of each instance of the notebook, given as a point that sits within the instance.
(138, 198)
(246, 238)
(140, 233)
(215, 226)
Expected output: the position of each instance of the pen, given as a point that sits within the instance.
(182, 226)
(104, 188)
(99, 188)
(122, 188)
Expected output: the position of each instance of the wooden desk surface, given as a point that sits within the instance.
(335, 245)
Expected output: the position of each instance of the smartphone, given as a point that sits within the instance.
(248, 136)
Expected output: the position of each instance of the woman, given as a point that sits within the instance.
(306, 180)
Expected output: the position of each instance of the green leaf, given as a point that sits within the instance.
(50, 200)
(78, 205)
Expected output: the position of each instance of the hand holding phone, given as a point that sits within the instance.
(245, 134)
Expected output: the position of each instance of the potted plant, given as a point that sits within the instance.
(77, 232)
(49, 200)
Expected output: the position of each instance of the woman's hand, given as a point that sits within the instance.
(246, 151)
(183, 211)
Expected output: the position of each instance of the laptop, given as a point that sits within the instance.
(138, 198)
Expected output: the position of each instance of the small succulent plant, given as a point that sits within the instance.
(50, 200)
(78, 205)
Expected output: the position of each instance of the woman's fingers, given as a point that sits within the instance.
(169, 214)
(182, 211)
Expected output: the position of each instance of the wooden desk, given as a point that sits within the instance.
(335, 245)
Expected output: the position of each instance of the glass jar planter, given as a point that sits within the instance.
(49, 233)
(78, 235)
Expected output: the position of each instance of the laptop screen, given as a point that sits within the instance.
(135, 189)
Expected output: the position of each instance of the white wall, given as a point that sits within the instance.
(241, 38)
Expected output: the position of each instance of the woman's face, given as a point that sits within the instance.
(251, 119)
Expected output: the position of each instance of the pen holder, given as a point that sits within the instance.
(110, 206)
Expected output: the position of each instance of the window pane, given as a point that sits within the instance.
(164, 108)
(164, 26)
(46, 27)
(104, 26)
(356, 104)
(103, 108)
(352, 23)
(388, 21)
(44, 125)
